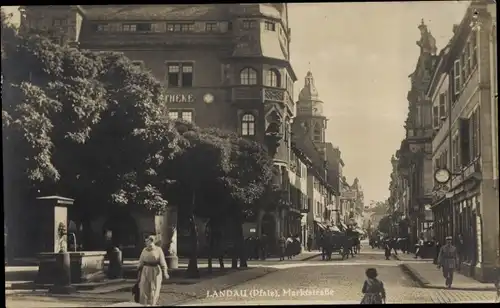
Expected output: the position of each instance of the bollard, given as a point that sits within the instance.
(115, 268)
(62, 283)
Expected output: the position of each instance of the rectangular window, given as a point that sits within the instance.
(57, 22)
(101, 28)
(180, 27)
(144, 27)
(129, 27)
(456, 77)
(465, 142)
(249, 24)
(187, 27)
(463, 66)
(187, 116)
(469, 58)
(180, 74)
(475, 133)
(270, 26)
(442, 106)
(173, 115)
(473, 49)
(211, 27)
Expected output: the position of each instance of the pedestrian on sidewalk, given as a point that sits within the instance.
(437, 246)
(387, 249)
(282, 247)
(309, 242)
(373, 289)
(447, 259)
(152, 270)
(419, 247)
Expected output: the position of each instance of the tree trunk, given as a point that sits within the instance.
(236, 244)
(242, 246)
(192, 270)
(210, 244)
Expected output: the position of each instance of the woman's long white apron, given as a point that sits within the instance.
(151, 261)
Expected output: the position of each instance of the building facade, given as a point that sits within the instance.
(222, 65)
(415, 153)
(464, 141)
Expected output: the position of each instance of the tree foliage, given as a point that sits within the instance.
(384, 224)
(76, 122)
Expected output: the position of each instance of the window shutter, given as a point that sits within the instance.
(456, 77)
(442, 105)
(435, 116)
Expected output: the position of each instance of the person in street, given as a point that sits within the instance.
(282, 247)
(447, 260)
(152, 270)
(289, 247)
(437, 246)
(373, 289)
(387, 249)
(419, 247)
(460, 250)
(394, 245)
(309, 242)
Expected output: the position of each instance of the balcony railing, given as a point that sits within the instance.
(262, 93)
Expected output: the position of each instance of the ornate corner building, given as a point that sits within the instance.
(222, 65)
(415, 153)
(452, 125)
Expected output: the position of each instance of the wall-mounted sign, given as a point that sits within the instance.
(179, 98)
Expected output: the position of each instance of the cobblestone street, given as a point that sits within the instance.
(338, 282)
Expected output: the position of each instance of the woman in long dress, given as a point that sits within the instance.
(152, 270)
(373, 289)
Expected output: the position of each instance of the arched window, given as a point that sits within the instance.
(248, 76)
(248, 125)
(273, 78)
(317, 133)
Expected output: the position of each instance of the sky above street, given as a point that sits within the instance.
(360, 55)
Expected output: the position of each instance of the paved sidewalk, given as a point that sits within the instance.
(427, 275)
(171, 294)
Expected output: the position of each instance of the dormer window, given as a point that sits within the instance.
(211, 27)
(129, 27)
(270, 26)
(180, 27)
(249, 24)
(57, 22)
(101, 27)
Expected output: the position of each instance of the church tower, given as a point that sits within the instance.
(310, 112)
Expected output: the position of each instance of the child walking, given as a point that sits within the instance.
(373, 289)
(387, 249)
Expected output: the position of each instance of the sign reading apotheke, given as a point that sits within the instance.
(180, 98)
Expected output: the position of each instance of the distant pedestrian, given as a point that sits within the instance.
(309, 242)
(152, 270)
(447, 260)
(289, 247)
(437, 246)
(282, 247)
(419, 247)
(373, 289)
(387, 249)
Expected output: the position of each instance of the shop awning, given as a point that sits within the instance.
(320, 225)
(334, 229)
(359, 230)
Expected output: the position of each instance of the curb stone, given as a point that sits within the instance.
(414, 275)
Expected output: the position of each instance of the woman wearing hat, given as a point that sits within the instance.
(448, 257)
(152, 270)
